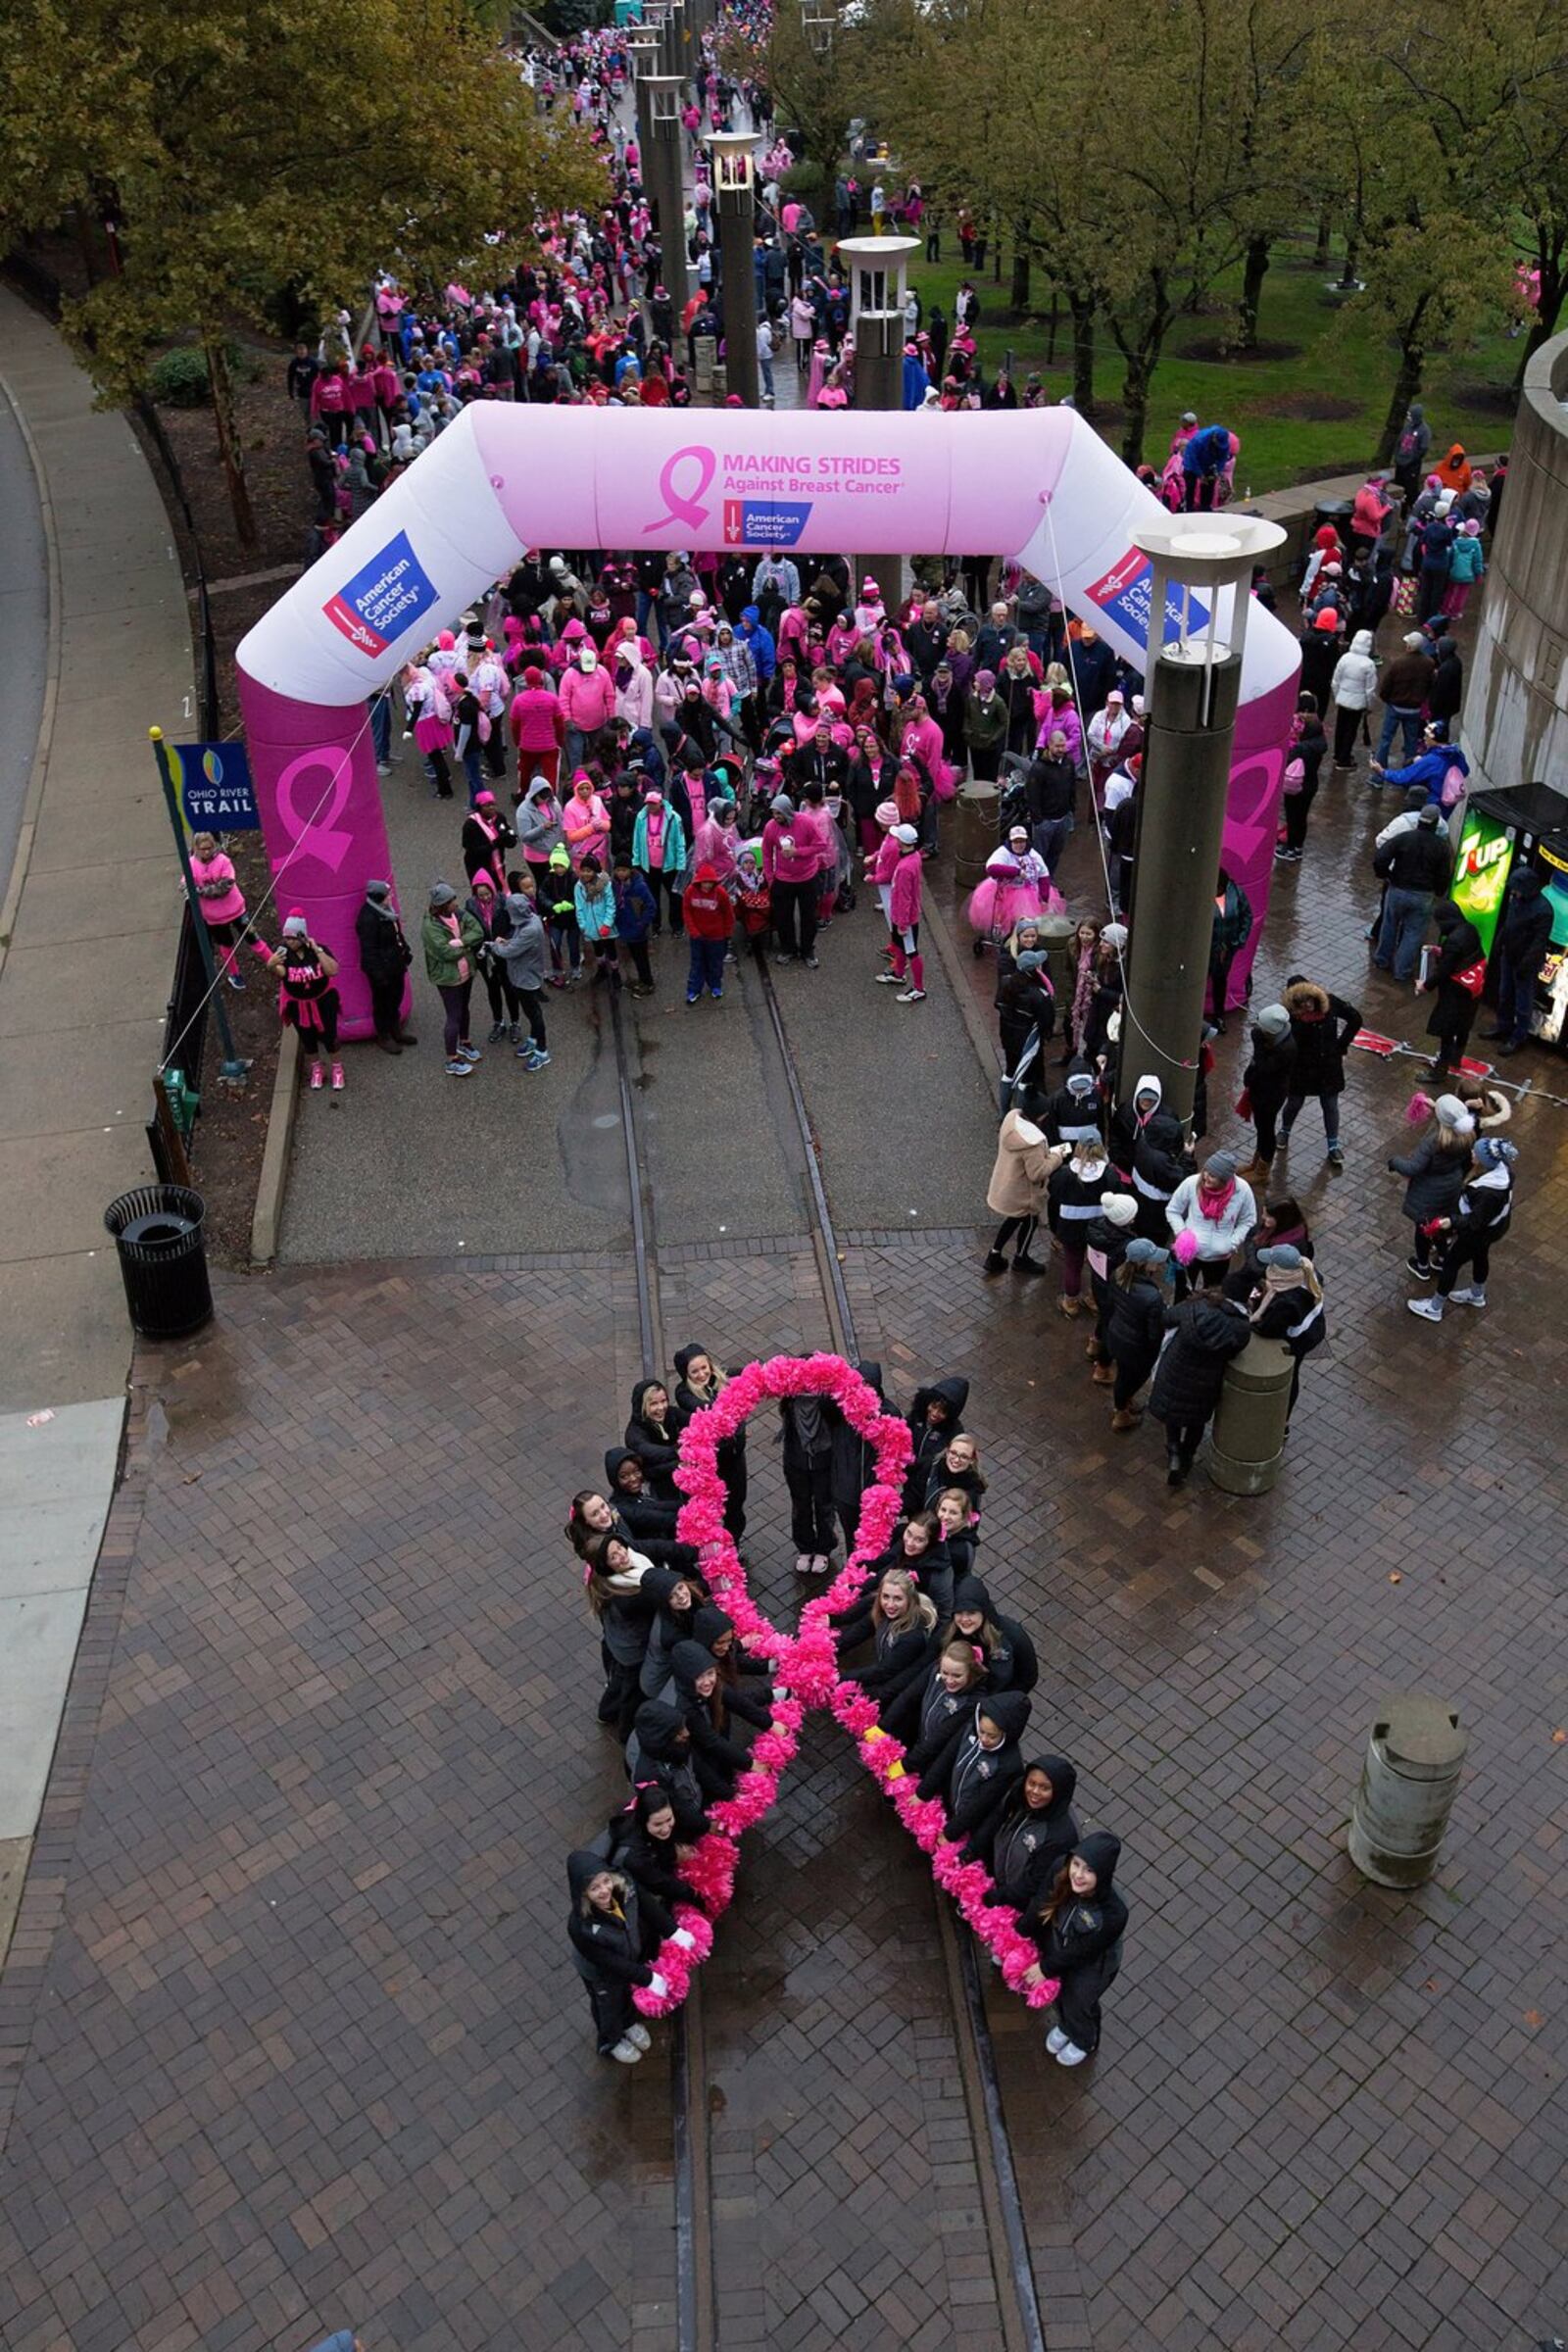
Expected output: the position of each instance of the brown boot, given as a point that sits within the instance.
(1104, 1376)
(1256, 1169)
(1126, 1418)
(1071, 1307)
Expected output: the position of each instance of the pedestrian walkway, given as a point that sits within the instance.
(89, 913)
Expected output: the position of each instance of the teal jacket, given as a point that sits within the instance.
(674, 861)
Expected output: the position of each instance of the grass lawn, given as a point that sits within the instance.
(1314, 410)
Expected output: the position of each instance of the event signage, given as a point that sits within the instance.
(1125, 593)
(385, 596)
(216, 791)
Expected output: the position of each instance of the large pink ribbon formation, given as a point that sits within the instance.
(806, 1664)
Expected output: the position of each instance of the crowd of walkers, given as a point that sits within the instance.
(949, 1673)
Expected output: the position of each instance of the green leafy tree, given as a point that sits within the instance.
(242, 148)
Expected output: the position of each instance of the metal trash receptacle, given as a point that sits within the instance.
(1408, 1783)
(976, 817)
(158, 1236)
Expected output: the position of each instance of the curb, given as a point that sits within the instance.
(51, 684)
(951, 959)
(272, 1187)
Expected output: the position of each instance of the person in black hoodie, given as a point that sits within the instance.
(702, 1377)
(716, 1759)
(1310, 746)
(917, 1548)
(608, 1936)
(854, 1461)
(1135, 1327)
(652, 1434)
(1206, 1329)
(645, 1845)
(904, 1634)
(1031, 1835)
(958, 1529)
(1156, 1157)
(1266, 1081)
(1524, 940)
(675, 1595)
(981, 1767)
(935, 1416)
(1079, 1928)
(613, 1574)
(629, 1509)
(1457, 978)
(743, 1686)
(1106, 1240)
(661, 1749)
(1075, 1112)
(1322, 1026)
(1009, 1653)
(932, 1715)
(806, 1427)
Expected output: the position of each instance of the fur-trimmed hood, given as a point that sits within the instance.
(1304, 1000)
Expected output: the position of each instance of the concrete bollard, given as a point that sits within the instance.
(974, 835)
(1056, 937)
(1248, 1443)
(1408, 1784)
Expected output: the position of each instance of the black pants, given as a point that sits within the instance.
(531, 1004)
(1470, 1250)
(637, 949)
(664, 885)
(1264, 1118)
(1220, 975)
(1023, 1228)
(1455, 1036)
(1347, 727)
(734, 1476)
(795, 903)
(1078, 2003)
(1297, 808)
(325, 1035)
(810, 1489)
(1184, 1438)
(1131, 1373)
(622, 1695)
(613, 2011)
(386, 1006)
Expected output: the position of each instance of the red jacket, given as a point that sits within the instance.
(707, 909)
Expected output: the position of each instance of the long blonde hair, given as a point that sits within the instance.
(923, 1610)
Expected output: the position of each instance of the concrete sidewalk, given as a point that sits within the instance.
(87, 933)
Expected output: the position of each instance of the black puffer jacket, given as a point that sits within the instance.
(1322, 1026)
(1206, 1331)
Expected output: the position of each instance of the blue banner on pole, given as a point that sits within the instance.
(216, 790)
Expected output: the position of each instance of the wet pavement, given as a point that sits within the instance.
(290, 2036)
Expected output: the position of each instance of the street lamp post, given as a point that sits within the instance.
(1199, 597)
(663, 182)
(642, 47)
(735, 202)
(876, 267)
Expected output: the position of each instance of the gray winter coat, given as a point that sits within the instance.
(524, 955)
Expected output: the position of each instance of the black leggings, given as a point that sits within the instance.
(612, 2014)
(1185, 1438)
(1131, 1373)
(1025, 1227)
(1297, 808)
(812, 1506)
(1470, 1250)
(1347, 727)
(329, 1007)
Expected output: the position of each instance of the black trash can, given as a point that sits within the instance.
(163, 1259)
(1334, 510)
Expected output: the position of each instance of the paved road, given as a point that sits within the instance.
(24, 628)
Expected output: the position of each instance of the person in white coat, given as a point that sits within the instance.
(1215, 1211)
(1017, 1193)
(1352, 686)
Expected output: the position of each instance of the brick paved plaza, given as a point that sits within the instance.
(290, 2036)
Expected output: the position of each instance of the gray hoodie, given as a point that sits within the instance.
(524, 953)
(538, 833)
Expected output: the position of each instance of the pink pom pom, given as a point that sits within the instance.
(1419, 1108)
(1184, 1249)
(788, 1714)
(699, 1928)
(773, 1750)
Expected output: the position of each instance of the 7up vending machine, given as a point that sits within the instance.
(1501, 830)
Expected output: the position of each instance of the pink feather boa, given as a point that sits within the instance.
(806, 1663)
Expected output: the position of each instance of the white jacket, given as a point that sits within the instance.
(1217, 1237)
(1355, 674)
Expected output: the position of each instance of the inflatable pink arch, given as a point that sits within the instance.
(1040, 485)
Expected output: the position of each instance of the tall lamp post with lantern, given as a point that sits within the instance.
(663, 182)
(735, 202)
(1199, 596)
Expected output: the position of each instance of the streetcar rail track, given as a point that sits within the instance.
(696, 2285)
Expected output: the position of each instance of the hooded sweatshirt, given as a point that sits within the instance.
(1026, 1847)
(606, 1945)
(980, 1776)
(539, 823)
(525, 951)
(930, 1439)
(1088, 1928)
(1013, 1664)
(1355, 674)
(659, 1749)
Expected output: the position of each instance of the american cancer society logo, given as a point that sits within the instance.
(382, 599)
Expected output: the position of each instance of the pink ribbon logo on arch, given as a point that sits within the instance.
(311, 835)
(684, 507)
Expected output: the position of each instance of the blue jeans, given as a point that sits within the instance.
(1405, 914)
(707, 968)
(473, 770)
(1050, 839)
(767, 366)
(1330, 1107)
(1398, 714)
(381, 725)
(1516, 1001)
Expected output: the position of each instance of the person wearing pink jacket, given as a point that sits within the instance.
(537, 727)
(587, 704)
(585, 821)
(222, 901)
(793, 845)
(904, 914)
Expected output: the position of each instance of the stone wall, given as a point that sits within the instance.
(1515, 727)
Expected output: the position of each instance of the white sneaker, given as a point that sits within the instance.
(641, 2037)
(1430, 1310)
(1070, 2054)
(888, 979)
(626, 2053)
(1470, 1297)
(805, 1564)
(821, 1562)
(910, 996)
(1056, 2042)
